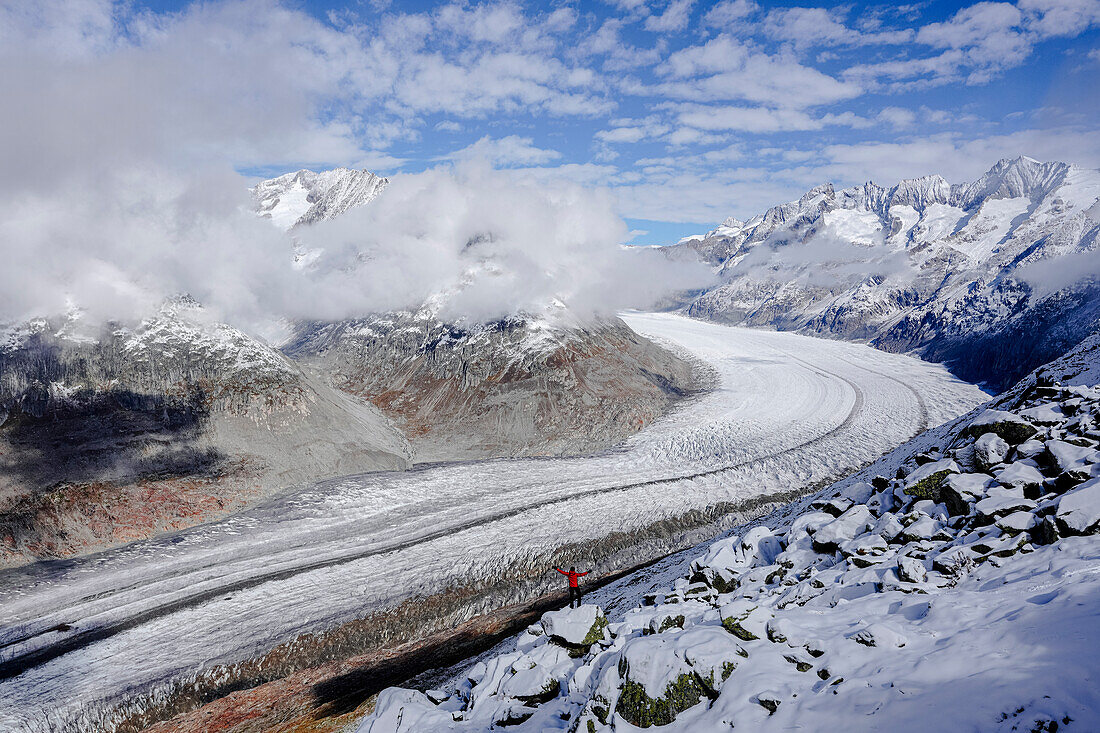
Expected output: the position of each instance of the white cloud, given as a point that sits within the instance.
(899, 117)
(632, 130)
(508, 151)
(955, 157)
(808, 27)
(729, 12)
(1053, 18)
(727, 69)
(675, 17)
(761, 119)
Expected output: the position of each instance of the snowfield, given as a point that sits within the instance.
(786, 412)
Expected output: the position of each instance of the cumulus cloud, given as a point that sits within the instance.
(729, 12)
(674, 18)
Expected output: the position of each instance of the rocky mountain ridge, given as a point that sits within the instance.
(160, 425)
(991, 277)
(305, 197)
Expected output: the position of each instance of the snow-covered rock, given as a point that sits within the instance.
(575, 628)
(1079, 510)
(305, 197)
(989, 450)
(950, 271)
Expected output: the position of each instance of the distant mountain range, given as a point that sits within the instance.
(991, 277)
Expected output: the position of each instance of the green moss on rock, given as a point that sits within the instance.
(639, 709)
(733, 625)
(1009, 431)
(929, 487)
(671, 622)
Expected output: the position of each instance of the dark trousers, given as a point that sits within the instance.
(574, 593)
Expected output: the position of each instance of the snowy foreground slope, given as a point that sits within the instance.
(160, 619)
(992, 277)
(953, 585)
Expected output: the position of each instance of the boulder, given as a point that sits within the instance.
(575, 629)
(657, 683)
(962, 489)
(847, 526)
(1030, 448)
(1045, 532)
(888, 527)
(922, 529)
(745, 620)
(925, 481)
(989, 450)
(999, 505)
(1012, 428)
(1049, 413)
(1023, 476)
(1079, 510)
(858, 493)
(1067, 457)
(911, 570)
(730, 556)
(1016, 522)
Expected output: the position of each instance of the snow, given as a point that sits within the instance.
(1079, 510)
(292, 205)
(571, 624)
(994, 417)
(860, 227)
(787, 412)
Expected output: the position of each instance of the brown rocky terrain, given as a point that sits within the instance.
(518, 387)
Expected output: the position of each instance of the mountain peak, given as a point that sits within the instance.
(305, 196)
(1020, 177)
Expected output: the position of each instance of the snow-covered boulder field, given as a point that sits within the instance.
(958, 589)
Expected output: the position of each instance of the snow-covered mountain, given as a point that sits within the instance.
(992, 277)
(950, 585)
(115, 433)
(305, 197)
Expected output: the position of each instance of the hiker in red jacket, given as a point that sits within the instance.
(574, 586)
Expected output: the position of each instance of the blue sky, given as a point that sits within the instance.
(688, 112)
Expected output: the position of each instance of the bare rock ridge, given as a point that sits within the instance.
(992, 277)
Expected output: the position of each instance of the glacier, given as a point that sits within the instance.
(171, 614)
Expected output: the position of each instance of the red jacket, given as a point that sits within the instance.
(572, 576)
